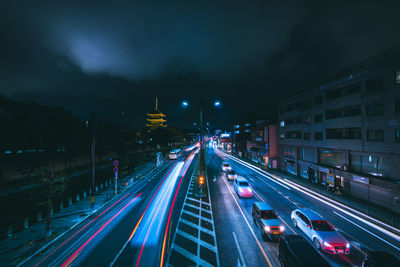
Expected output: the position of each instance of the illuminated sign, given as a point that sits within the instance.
(225, 135)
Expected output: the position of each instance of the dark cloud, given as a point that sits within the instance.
(110, 55)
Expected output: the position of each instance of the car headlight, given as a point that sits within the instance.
(249, 190)
(282, 228)
(267, 228)
(240, 189)
(347, 245)
(327, 244)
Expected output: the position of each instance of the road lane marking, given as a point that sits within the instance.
(380, 238)
(251, 229)
(239, 250)
(180, 232)
(330, 202)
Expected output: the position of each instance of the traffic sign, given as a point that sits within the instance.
(115, 169)
(115, 163)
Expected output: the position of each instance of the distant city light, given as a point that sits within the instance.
(217, 103)
(185, 103)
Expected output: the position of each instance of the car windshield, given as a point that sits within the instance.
(243, 184)
(322, 225)
(268, 214)
(231, 172)
(226, 165)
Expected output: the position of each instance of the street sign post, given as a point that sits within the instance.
(115, 170)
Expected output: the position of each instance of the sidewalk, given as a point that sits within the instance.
(26, 242)
(369, 209)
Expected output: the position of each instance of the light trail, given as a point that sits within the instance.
(188, 161)
(332, 203)
(141, 217)
(75, 254)
(80, 230)
(158, 209)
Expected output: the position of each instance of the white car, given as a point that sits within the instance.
(242, 187)
(320, 231)
(230, 175)
(226, 166)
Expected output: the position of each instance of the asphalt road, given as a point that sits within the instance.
(240, 241)
(132, 228)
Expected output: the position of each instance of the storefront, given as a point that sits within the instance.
(290, 166)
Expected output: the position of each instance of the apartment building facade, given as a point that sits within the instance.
(345, 132)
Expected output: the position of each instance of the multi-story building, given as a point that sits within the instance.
(257, 142)
(345, 132)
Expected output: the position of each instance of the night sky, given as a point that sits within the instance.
(106, 56)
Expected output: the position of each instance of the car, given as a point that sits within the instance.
(226, 166)
(242, 187)
(380, 259)
(230, 175)
(320, 231)
(266, 218)
(295, 251)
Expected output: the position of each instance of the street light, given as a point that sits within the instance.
(185, 103)
(217, 103)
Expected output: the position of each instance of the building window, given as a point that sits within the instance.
(289, 151)
(398, 77)
(306, 136)
(293, 120)
(307, 119)
(293, 135)
(343, 91)
(318, 100)
(282, 136)
(374, 84)
(332, 94)
(375, 135)
(397, 135)
(330, 158)
(348, 111)
(397, 106)
(293, 106)
(282, 124)
(352, 89)
(306, 104)
(371, 164)
(318, 136)
(318, 118)
(344, 133)
(375, 109)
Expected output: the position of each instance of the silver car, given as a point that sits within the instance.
(320, 231)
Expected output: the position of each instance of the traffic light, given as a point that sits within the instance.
(201, 180)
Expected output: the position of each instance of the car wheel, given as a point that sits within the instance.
(316, 243)
(294, 222)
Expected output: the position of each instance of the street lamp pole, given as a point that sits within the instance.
(93, 159)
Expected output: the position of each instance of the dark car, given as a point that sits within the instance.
(294, 250)
(380, 259)
(265, 217)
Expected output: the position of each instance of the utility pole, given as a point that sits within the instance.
(93, 159)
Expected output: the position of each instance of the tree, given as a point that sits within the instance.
(54, 181)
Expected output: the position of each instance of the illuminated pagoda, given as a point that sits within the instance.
(156, 119)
